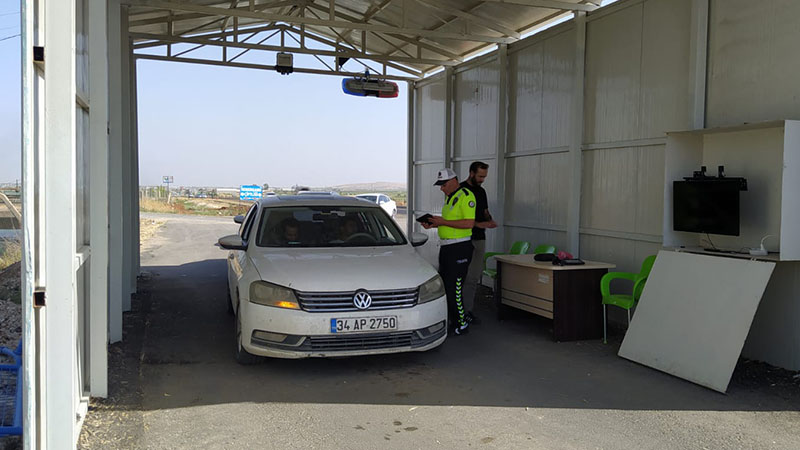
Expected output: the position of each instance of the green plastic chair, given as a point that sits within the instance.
(517, 248)
(624, 301)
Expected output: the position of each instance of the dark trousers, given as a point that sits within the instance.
(453, 266)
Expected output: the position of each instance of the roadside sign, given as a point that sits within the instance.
(250, 192)
(167, 179)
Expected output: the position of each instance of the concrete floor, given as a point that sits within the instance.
(505, 385)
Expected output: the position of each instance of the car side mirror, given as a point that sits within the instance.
(418, 239)
(232, 242)
(238, 219)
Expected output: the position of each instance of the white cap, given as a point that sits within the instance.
(444, 176)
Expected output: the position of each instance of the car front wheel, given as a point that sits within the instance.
(242, 356)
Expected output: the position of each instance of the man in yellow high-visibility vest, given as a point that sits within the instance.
(455, 235)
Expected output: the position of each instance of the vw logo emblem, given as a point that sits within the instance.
(362, 300)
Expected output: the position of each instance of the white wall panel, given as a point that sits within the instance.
(476, 106)
(753, 61)
(623, 190)
(429, 121)
(559, 59)
(541, 81)
(637, 72)
(535, 237)
(613, 71)
(627, 254)
(427, 196)
(664, 99)
(535, 189)
(526, 72)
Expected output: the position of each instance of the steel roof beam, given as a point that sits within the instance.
(550, 4)
(478, 20)
(428, 45)
(246, 13)
(326, 41)
(164, 39)
(266, 67)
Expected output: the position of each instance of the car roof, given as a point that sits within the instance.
(313, 200)
(372, 193)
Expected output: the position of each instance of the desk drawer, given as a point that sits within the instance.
(528, 280)
(528, 303)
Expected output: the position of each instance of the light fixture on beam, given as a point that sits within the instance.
(370, 87)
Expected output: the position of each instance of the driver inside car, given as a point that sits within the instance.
(348, 228)
(291, 232)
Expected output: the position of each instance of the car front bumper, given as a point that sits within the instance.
(308, 334)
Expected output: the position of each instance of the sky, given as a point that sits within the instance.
(10, 139)
(222, 126)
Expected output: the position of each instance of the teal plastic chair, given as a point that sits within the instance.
(624, 301)
(517, 248)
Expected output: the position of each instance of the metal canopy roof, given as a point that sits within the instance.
(399, 39)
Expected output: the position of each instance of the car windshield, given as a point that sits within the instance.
(372, 198)
(326, 226)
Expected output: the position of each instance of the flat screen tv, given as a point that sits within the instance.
(706, 206)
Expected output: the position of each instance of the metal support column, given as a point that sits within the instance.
(59, 346)
(502, 145)
(129, 286)
(134, 169)
(116, 289)
(698, 61)
(449, 122)
(411, 126)
(576, 137)
(98, 145)
(31, 252)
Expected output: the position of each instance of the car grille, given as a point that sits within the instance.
(343, 301)
(360, 342)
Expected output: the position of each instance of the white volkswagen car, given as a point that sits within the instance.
(388, 205)
(317, 276)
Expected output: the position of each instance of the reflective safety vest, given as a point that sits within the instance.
(459, 205)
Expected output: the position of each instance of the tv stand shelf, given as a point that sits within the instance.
(767, 154)
(773, 257)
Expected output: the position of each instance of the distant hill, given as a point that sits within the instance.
(378, 186)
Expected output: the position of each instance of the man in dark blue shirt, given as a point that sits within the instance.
(483, 220)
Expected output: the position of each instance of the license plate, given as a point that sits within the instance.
(362, 324)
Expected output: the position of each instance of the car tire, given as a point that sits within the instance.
(242, 356)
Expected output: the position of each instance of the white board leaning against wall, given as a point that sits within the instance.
(694, 316)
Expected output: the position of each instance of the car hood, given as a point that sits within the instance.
(342, 269)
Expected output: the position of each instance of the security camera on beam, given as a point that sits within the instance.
(284, 63)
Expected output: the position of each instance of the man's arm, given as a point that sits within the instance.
(487, 224)
(437, 221)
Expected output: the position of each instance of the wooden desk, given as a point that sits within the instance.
(570, 295)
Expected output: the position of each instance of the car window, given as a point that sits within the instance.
(384, 199)
(247, 224)
(372, 198)
(327, 226)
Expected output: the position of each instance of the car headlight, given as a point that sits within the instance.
(431, 289)
(269, 294)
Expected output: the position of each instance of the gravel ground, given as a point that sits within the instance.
(10, 328)
(10, 312)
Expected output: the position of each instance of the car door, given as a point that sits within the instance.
(384, 202)
(237, 259)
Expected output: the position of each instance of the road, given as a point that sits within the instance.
(505, 385)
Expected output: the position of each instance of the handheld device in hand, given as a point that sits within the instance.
(425, 219)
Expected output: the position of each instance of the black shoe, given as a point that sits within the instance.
(472, 319)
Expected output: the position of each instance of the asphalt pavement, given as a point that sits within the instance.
(505, 385)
